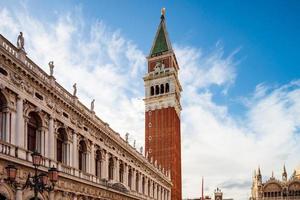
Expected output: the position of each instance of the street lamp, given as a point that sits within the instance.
(37, 182)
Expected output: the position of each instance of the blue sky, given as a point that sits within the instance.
(240, 70)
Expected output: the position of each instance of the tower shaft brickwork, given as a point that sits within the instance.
(162, 104)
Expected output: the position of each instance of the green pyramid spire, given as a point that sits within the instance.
(161, 42)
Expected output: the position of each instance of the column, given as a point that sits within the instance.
(43, 141)
(133, 179)
(70, 155)
(146, 186)
(13, 128)
(75, 152)
(51, 149)
(20, 124)
(7, 126)
(92, 166)
(19, 195)
(117, 169)
(125, 176)
(87, 162)
(141, 183)
(104, 167)
(151, 190)
(155, 193)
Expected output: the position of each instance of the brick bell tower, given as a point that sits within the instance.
(162, 108)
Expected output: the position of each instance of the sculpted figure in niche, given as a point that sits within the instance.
(20, 42)
(51, 66)
(74, 89)
(159, 67)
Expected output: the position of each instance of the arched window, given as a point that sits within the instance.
(143, 185)
(121, 172)
(110, 168)
(82, 151)
(61, 146)
(152, 91)
(167, 87)
(162, 89)
(98, 160)
(137, 182)
(130, 178)
(34, 132)
(153, 190)
(149, 185)
(156, 89)
(3, 118)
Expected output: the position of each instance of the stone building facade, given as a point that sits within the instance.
(94, 162)
(162, 102)
(279, 189)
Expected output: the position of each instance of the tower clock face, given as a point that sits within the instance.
(218, 198)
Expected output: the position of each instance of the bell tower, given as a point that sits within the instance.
(162, 107)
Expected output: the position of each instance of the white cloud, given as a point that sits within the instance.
(101, 61)
(215, 144)
(226, 150)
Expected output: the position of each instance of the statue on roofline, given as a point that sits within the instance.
(93, 105)
(20, 42)
(51, 66)
(74, 89)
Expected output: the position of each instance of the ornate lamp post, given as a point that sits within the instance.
(38, 182)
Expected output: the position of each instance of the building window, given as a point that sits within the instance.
(167, 87)
(152, 91)
(162, 89)
(98, 161)
(137, 182)
(149, 188)
(143, 185)
(153, 190)
(121, 172)
(61, 146)
(111, 169)
(3, 71)
(3, 120)
(156, 89)
(82, 154)
(34, 132)
(130, 178)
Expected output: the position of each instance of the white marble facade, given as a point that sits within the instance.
(93, 160)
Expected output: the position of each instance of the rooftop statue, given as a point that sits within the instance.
(126, 137)
(93, 105)
(20, 42)
(74, 89)
(51, 66)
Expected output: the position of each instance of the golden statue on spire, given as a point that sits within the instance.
(163, 11)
